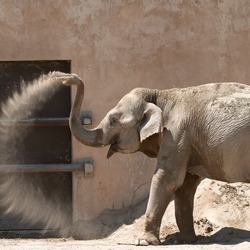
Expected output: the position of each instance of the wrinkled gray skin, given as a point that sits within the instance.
(194, 132)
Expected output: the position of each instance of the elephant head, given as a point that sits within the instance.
(129, 127)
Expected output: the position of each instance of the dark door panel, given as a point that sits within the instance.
(39, 144)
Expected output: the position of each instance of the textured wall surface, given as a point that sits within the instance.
(117, 45)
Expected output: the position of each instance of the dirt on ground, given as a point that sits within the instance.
(221, 220)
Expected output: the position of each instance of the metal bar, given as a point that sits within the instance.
(42, 167)
(47, 121)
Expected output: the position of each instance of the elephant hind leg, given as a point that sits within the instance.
(184, 204)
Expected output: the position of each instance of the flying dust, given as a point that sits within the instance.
(22, 197)
(19, 196)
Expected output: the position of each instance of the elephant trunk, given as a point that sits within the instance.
(89, 137)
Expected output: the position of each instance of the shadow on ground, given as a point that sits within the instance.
(225, 236)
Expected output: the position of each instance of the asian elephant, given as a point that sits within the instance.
(195, 132)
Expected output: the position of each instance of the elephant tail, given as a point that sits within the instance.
(18, 196)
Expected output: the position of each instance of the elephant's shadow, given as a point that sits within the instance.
(225, 236)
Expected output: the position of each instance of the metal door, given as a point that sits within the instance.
(46, 144)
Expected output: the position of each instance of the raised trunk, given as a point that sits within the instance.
(90, 137)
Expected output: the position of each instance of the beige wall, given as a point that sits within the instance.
(116, 45)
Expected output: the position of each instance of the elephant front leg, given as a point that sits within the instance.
(184, 203)
(170, 174)
(162, 190)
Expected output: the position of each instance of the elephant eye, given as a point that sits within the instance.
(113, 121)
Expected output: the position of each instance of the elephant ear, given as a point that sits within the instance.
(151, 122)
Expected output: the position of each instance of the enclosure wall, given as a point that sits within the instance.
(118, 45)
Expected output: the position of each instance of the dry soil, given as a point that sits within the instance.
(222, 221)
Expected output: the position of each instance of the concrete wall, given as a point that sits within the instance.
(117, 45)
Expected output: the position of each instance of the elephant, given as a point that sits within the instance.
(195, 132)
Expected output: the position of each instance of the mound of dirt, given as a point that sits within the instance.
(221, 215)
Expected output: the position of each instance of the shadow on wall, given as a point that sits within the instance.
(107, 222)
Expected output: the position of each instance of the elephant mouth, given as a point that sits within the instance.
(116, 146)
(112, 150)
(113, 147)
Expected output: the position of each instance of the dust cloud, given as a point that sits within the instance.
(18, 196)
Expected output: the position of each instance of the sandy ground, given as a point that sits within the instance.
(222, 221)
(100, 244)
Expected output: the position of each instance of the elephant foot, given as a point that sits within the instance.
(147, 239)
(177, 238)
(187, 238)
